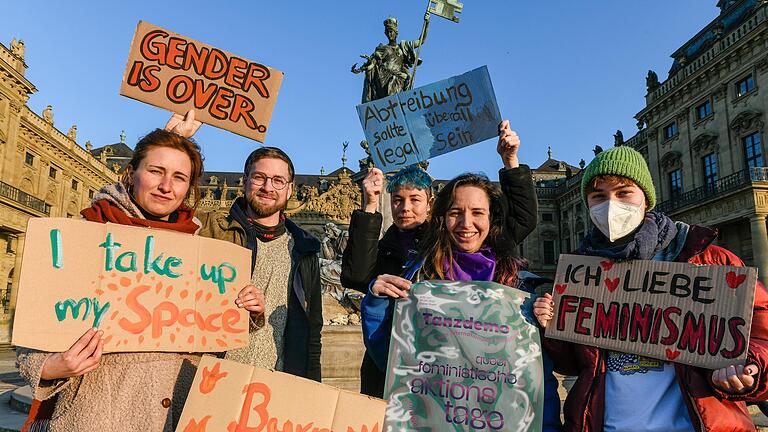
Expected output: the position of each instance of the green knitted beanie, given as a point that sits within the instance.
(625, 162)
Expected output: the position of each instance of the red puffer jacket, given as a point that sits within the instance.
(709, 409)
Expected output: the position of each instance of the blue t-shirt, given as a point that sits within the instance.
(642, 394)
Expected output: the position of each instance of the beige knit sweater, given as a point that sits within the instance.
(271, 273)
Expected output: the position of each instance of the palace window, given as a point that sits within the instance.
(745, 85)
(52, 173)
(566, 245)
(75, 184)
(670, 130)
(90, 193)
(753, 153)
(709, 162)
(704, 110)
(29, 158)
(547, 217)
(549, 252)
(676, 182)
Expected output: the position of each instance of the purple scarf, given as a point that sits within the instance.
(466, 266)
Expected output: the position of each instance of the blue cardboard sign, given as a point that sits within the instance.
(419, 124)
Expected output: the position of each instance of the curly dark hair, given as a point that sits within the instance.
(438, 247)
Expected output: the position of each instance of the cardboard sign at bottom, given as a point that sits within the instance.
(231, 396)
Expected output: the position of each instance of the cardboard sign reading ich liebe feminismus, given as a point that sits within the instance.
(147, 289)
(697, 315)
(415, 125)
(230, 396)
(174, 72)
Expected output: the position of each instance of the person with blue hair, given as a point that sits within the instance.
(366, 257)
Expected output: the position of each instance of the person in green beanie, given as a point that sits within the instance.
(618, 391)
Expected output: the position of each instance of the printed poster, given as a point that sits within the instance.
(464, 356)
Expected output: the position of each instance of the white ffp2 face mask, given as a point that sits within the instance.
(616, 219)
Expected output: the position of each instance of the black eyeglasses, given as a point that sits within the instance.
(258, 179)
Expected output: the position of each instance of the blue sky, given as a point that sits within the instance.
(567, 73)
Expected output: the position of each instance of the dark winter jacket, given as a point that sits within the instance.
(709, 409)
(366, 257)
(302, 344)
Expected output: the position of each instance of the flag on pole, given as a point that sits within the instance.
(448, 9)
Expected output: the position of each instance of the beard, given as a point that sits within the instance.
(264, 210)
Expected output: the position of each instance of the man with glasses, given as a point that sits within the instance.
(284, 295)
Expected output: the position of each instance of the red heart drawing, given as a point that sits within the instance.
(560, 288)
(611, 284)
(672, 354)
(734, 280)
(606, 265)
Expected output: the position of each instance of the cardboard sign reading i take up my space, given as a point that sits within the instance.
(415, 125)
(174, 72)
(696, 315)
(147, 289)
(231, 396)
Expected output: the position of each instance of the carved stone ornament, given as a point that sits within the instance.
(748, 121)
(704, 143)
(15, 106)
(337, 204)
(549, 235)
(672, 160)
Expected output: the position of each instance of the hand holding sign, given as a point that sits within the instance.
(544, 309)
(372, 187)
(252, 299)
(735, 379)
(185, 126)
(509, 144)
(82, 357)
(391, 285)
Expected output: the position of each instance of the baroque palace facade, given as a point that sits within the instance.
(702, 131)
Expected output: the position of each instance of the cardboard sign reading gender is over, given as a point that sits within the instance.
(697, 315)
(147, 289)
(177, 73)
(415, 125)
(231, 396)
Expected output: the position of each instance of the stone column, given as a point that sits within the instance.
(760, 246)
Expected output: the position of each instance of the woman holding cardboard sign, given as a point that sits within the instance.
(126, 391)
(621, 391)
(472, 234)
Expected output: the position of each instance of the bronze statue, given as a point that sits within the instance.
(652, 81)
(388, 69)
(618, 138)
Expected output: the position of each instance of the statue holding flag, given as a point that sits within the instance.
(387, 70)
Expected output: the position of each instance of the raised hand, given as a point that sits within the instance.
(508, 145)
(185, 126)
(373, 184)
